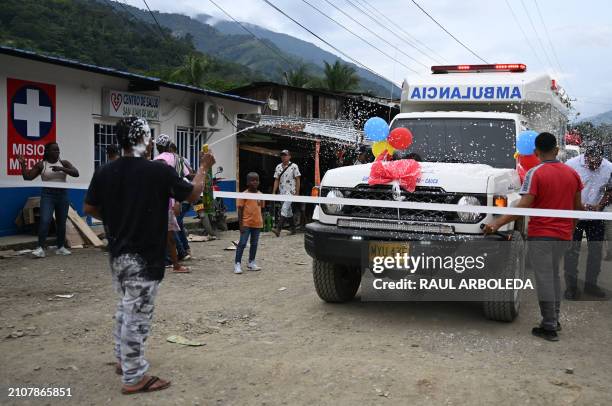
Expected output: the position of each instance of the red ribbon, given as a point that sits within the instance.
(405, 171)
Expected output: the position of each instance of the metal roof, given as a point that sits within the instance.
(70, 63)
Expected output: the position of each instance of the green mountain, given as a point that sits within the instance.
(228, 41)
(97, 33)
(310, 53)
(599, 119)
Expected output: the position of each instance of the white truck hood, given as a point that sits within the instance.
(452, 177)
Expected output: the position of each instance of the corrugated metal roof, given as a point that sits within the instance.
(70, 63)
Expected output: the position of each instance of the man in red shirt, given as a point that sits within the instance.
(550, 185)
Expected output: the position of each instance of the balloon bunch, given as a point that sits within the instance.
(403, 173)
(525, 157)
(377, 130)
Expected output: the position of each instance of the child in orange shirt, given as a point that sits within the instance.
(251, 222)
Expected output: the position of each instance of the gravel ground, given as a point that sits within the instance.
(266, 345)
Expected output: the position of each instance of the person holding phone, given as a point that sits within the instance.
(51, 169)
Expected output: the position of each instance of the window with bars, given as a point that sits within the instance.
(189, 144)
(104, 135)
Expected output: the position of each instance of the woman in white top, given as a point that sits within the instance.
(51, 169)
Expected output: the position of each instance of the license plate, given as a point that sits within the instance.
(387, 249)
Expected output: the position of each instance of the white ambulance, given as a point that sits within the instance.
(464, 120)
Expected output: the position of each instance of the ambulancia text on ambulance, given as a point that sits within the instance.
(464, 120)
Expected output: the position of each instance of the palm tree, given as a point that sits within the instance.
(340, 77)
(298, 77)
(192, 71)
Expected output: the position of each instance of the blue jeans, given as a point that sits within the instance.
(244, 237)
(182, 235)
(53, 200)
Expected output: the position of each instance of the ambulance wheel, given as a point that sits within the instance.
(504, 305)
(335, 283)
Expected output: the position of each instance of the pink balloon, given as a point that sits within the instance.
(400, 138)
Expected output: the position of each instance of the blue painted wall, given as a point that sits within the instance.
(13, 199)
(228, 186)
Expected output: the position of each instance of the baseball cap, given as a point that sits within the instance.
(163, 140)
(284, 152)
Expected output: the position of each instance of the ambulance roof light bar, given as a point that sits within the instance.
(499, 67)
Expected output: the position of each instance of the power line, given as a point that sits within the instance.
(368, 6)
(361, 38)
(382, 26)
(537, 35)
(292, 64)
(446, 31)
(548, 36)
(375, 34)
(136, 19)
(155, 19)
(524, 33)
(325, 41)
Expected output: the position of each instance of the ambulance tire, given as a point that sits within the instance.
(335, 283)
(504, 305)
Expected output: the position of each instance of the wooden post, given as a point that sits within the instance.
(317, 171)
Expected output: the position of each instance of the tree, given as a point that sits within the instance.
(340, 77)
(298, 77)
(192, 71)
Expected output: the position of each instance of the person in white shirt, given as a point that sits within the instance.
(595, 172)
(287, 182)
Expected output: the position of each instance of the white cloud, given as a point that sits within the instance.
(581, 34)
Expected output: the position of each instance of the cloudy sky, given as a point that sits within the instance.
(580, 33)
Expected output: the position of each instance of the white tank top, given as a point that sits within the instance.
(48, 175)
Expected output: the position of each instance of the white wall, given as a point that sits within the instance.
(79, 106)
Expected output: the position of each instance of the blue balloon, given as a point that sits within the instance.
(525, 142)
(376, 129)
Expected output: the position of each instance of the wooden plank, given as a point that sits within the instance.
(73, 237)
(82, 226)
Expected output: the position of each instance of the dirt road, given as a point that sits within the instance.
(266, 345)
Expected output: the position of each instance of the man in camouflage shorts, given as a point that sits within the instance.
(131, 196)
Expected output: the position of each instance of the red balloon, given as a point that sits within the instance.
(400, 138)
(528, 161)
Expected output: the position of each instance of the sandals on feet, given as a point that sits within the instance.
(147, 387)
(182, 269)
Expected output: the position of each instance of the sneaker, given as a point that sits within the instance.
(62, 251)
(549, 335)
(237, 269)
(39, 252)
(252, 266)
(571, 294)
(595, 290)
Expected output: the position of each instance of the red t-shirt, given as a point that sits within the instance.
(554, 186)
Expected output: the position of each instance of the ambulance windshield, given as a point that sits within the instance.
(467, 140)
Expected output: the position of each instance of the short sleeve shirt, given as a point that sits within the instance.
(554, 186)
(594, 182)
(132, 195)
(251, 212)
(287, 183)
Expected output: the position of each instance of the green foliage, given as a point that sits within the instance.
(340, 77)
(298, 77)
(94, 32)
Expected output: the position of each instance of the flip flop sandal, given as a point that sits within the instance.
(182, 269)
(147, 387)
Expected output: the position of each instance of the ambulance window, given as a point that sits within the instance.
(468, 140)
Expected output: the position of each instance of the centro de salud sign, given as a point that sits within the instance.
(116, 103)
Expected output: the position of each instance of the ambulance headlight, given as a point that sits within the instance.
(465, 216)
(334, 209)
